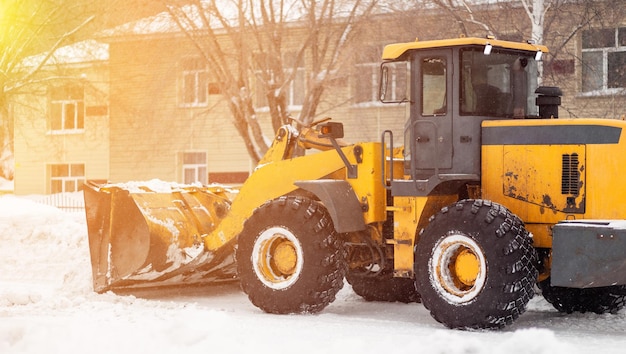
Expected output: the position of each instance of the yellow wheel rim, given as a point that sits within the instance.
(457, 268)
(277, 258)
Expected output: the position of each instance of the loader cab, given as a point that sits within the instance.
(452, 86)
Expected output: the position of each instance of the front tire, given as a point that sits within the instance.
(475, 266)
(289, 259)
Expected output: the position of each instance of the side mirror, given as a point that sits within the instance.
(394, 78)
(384, 82)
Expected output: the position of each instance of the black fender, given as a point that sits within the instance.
(341, 202)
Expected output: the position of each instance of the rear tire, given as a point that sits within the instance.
(384, 287)
(608, 299)
(289, 259)
(474, 266)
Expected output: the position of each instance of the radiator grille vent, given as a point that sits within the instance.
(570, 180)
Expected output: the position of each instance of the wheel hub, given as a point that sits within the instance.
(466, 267)
(458, 268)
(284, 257)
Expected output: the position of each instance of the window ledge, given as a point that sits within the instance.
(602, 93)
(193, 105)
(66, 132)
(294, 108)
(371, 104)
(290, 108)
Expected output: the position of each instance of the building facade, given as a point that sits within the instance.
(61, 129)
(153, 110)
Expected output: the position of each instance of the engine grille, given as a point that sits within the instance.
(570, 180)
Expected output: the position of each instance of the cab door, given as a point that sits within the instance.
(431, 113)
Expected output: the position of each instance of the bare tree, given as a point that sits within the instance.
(27, 28)
(503, 17)
(262, 46)
(463, 13)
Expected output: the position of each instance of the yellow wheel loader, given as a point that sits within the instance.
(488, 195)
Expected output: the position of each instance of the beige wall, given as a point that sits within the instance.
(36, 146)
(149, 128)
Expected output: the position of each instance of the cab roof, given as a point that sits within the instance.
(394, 51)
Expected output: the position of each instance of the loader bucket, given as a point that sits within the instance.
(142, 237)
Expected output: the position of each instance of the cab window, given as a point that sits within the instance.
(433, 86)
(501, 84)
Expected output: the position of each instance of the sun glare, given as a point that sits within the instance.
(8, 11)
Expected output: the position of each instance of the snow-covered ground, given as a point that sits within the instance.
(47, 306)
(6, 186)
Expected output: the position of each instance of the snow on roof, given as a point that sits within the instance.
(165, 23)
(80, 52)
(228, 11)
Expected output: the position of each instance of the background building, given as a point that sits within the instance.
(62, 125)
(153, 107)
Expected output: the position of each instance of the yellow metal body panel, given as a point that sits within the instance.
(528, 177)
(394, 51)
(606, 168)
(268, 182)
(411, 214)
(369, 186)
(532, 173)
(542, 234)
(275, 177)
(407, 213)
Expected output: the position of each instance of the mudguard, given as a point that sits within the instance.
(340, 200)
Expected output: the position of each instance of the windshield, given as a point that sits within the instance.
(501, 84)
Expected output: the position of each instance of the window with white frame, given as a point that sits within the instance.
(367, 75)
(194, 82)
(366, 83)
(604, 60)
(295, 96)
(367, 78)
(67, 108)
(66, 177)
(195, 167)
(294, 90)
